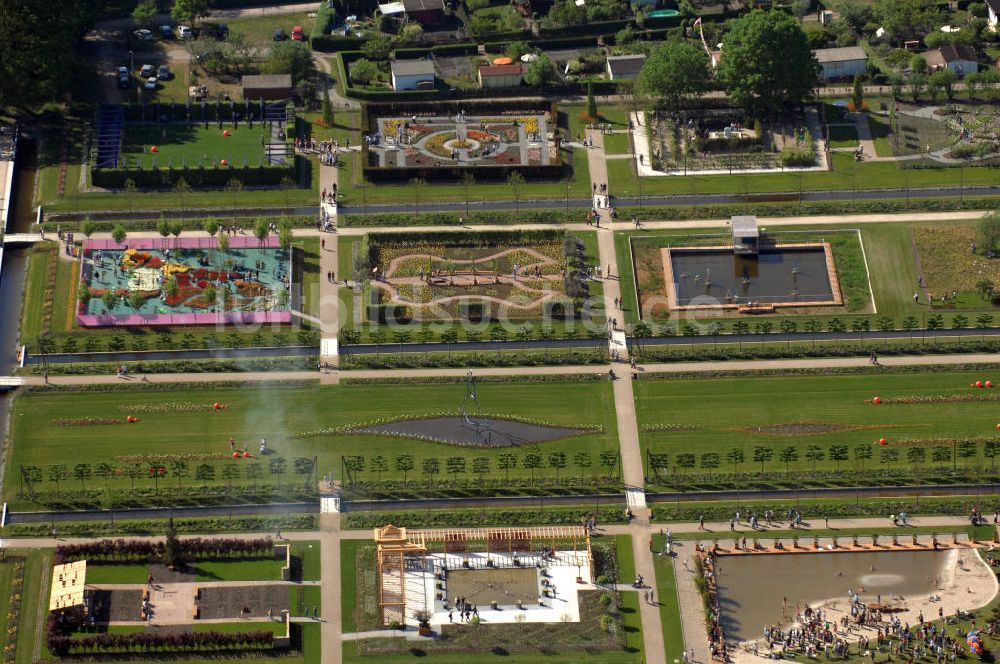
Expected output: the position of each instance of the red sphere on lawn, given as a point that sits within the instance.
(246, 455)
(883, 441)
(215, 405)
(998, 427)
(236, 455)
(225, 132)
(223, 162)
(154, 149)
(129, 418)
(979, 383)
(989, 383)
(877, 400)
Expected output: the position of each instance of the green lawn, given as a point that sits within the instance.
(277, 414)
(259, 30)
(842, 136)
(238, 570)
(846, 174)
(666, 596)
(348, 582)
(102, 573)
(194, 145)
(797, 426)
(617, 144)
(308, 555)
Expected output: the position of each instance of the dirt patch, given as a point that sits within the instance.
(117, 605)
(229, 601)
(459, 431)
(160, 574)
(804, 428)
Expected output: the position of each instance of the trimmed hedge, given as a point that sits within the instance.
(596, 28)
(572, 516)
(455, 49)
(411, 53)
(475, 217)
(211, 176)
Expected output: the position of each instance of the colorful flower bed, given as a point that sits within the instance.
(14, 613)
(436, 143)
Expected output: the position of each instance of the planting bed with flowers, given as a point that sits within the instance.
(162, 280)
(499, 271)
(949, 264)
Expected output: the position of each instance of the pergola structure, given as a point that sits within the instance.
(395, 544)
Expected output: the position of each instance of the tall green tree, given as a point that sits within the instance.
(674, 73)
(290, 57)
(767, 64)
(144, 13)
(40, 61)
(187, 11)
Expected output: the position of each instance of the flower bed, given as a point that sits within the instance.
(14, 613)
(86, 421)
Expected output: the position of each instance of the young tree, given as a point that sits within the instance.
(118, 233)
(858, 93)
(815, 454)
(531, 461)
(838, 453)
(57, 473)
(411, 33)
(290, 57)
(768, 65)
(557, 461)
(277, 466)
(171, 547)
(328, 118)
(82, 472)
(431, 467)
(506, 461)
(182, 189)
(376, 47)
(710, 461)
(378, 465)
(674, 74)
(480, 466)
(761, 455)
(204, 473)
(788, 455)
(582, 461)
(515, 181)
(417, 185)
(591, 103)
(179, 469)
(468, 181)
(862, 453)
(261, 229)
(404, 464)
(736, 457)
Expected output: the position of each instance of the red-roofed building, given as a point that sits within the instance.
(492, 77)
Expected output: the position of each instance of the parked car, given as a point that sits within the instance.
(147, 70)
(166, 31)
(143, 35)
(297, 33)
(124, 79)
(279, 35)
(122, 71)
(185, 32)
(163, 73)
(151, 83)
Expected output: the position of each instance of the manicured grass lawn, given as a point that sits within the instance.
(346, 127)
(34, 602)
(308, 553)
(843, 136)
(879, 127)
(795, 424)
(100, 573)
(255, 626)
(277, 414)
(616, 144)
(196, 144)
(348, 583)
(666, 596)
(482, 191)
(238, 570)
(626, 560)
(846, 174)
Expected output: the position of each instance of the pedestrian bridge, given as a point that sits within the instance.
(22, 238)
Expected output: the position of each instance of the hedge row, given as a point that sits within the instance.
(248, 524)
(211, 176)
(472, 359)
(196, 547)
(479, 518)
(442, 50)
(452, 218)
(182, 366)
(831, 509)
(751, 351)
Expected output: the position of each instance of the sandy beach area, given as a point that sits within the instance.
(967, 583)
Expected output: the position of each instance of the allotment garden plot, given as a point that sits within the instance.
(184, 282)
(272, 442)
(816, 430)
(959, 270)
(721, 141)
(478, 277)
